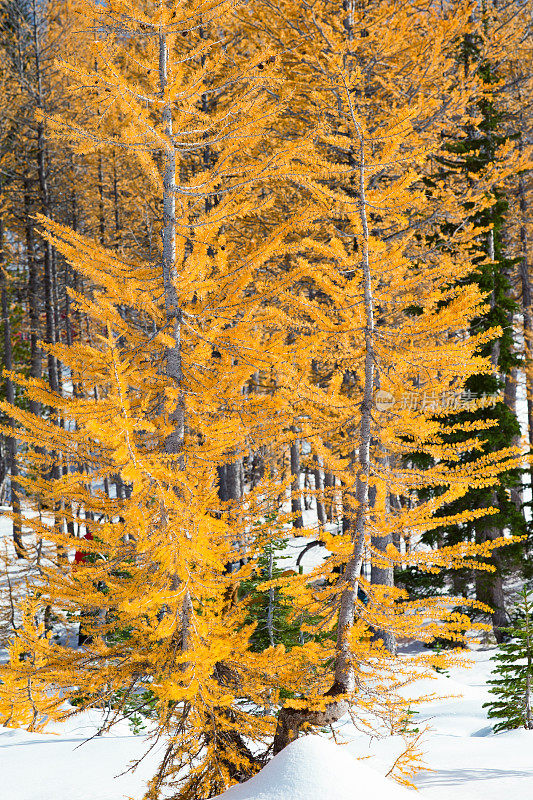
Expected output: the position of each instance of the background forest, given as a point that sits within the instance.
(265, 279)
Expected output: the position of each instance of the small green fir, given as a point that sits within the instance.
(512, 681)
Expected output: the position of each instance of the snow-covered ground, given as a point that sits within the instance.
(314, 769)
(468, 761)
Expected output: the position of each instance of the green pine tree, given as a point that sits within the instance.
(512, 683)
(472, 153)
(268, 607)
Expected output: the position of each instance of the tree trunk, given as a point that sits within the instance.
(231, 487)
(296, 497)
(173, 444)
(527, 309)
(291, 720)
(36, 356)
(489, 585)
(509, 399)
(382, 576)
(11, 441)
(42, 171)
(116, 208)
(174, 441)
(319, 493)
(329, 483)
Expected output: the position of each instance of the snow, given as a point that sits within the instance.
(65, 766)
(313, 768)
(469, 762)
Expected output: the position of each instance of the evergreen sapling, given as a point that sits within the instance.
(512, 680)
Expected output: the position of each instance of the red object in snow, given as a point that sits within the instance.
(80, 556)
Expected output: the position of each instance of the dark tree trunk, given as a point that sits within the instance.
(319, 493)
(381, 574)
(258, 467)
(231, 487)
(489, 585)
(11, 441)
(296, 497)
(510, 401)
(329, 484)
(527, 309)
(116, 207)
(36, 356)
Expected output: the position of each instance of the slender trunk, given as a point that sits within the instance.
(307, 488)
(42, 171)
(174, 441)
(319, 493)
(527, 309)
(101, 209)
(271, 598)
(11, 441)
(291, 720)
(258, 466)
(344, 677)
(489, 585)
(36, 357)
(346, 512)
(57, 323)
(509, 397)
(231, 487)
(296, 497)
(68, 321)
(529, 718)
(329, 484)
(382, 576)
(173, 444)
(529, 646)
(115, 197)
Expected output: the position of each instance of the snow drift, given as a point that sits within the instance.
(312, 768)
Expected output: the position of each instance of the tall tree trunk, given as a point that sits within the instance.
(527, 308)
(343, 670)
(36, 356)
(329, 484)
(116, 207)
(489, 585)
(101, 208)
(173, 444)
(42, 171)
(11, 441)
(509, 398)
(231, 487)
(382, 576)
(296, 495)
(291, 720)
(174, 441)
(319, 493)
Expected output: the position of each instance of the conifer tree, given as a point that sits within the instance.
(367, 168)
(512, 681)
(479, 155)
(166, 413)
(286, 244)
